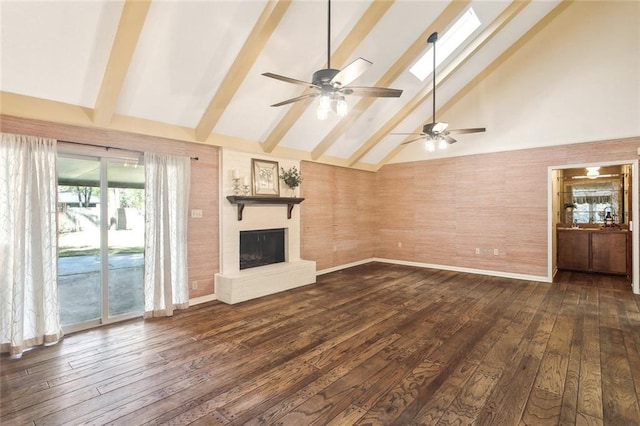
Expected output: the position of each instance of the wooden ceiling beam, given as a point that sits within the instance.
(366, 23)
(265, 26)
(134, 13)
(489, 69)
(491, 30)
(408, 57)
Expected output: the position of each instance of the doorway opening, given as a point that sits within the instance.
(593, 220)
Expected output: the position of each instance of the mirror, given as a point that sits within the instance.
(595, 195)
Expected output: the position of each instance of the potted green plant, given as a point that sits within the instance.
(291, 178)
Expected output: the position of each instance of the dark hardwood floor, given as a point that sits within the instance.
(375, 344)
(602, 281)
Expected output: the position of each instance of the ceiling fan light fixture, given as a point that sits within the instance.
(342, 108)
(430, 145)
(593, 172)
(442, 143)
(323, 107)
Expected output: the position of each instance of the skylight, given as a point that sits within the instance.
(447, 43)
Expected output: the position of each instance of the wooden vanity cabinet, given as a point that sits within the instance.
(594, 251)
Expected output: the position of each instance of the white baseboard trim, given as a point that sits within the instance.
(345, 266)
(501, 274)
(212, 297)
(202, 299)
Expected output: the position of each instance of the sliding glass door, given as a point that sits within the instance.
(125, 238)
(101, 239)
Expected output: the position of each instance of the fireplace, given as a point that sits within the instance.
(239, 279)
(261, 247)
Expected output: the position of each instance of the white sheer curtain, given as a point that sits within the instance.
(167, 181)
(29, 313)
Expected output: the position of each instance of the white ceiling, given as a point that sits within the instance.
(59, 51)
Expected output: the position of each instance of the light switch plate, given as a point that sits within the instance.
(196, 213)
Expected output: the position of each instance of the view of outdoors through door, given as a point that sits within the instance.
(100, 239)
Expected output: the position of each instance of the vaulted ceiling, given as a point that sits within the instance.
(191, 70)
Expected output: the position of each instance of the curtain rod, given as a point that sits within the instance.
(111, 147)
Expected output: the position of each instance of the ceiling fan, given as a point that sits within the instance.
(332, 84)
(437, 131)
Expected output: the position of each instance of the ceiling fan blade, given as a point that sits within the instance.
(296, 99)
(413, 140)
(378, 92)
(349, 73)
(289, 79)
(407, 134)
(449, 139)
(463, 131)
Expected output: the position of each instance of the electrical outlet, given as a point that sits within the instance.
(477, 251)
(194, 285)
(496, 252)
(399, 244)
(196, 213)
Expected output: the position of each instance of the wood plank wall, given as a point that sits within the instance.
(202, 239)
(337, 217)
(439, 210)
(442, 210)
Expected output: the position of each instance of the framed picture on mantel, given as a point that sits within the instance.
(265, 178)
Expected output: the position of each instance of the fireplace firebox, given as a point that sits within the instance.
(261, 247)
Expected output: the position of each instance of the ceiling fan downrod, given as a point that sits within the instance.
(329, 34)
(432, 39)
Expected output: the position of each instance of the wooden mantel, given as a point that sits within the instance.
(241, 201)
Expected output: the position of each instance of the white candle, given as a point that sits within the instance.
(246, 180)
(236, 175)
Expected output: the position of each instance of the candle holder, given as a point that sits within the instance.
(245, 190)
(237, 187)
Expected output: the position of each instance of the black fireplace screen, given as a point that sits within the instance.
(261, 247)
